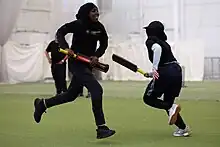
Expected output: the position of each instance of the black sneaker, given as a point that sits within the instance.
(39, 109)
(104, 132)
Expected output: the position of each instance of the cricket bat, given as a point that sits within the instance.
(124, 62)
(99, 66)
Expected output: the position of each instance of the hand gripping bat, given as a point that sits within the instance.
(99, 66)
(122, 61)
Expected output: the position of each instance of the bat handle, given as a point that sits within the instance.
(63, 51)
(146, 74)
(141, 71)
(66, 52)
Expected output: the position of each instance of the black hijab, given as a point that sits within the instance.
(156, 28)
(83, 13)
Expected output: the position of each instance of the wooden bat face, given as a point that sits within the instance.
(124, 62)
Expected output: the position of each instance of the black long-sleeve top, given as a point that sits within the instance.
(85, 37)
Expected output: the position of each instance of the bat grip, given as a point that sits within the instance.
(141, 71)
(63, 51)
(146, 74)
(66, 52)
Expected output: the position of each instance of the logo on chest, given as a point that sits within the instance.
(94, 33)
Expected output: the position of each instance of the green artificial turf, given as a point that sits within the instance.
(136, 125)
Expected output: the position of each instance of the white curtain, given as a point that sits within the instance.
(1, 64)
(190, 54)
(125, 40)
(23, 63)
(9, 10)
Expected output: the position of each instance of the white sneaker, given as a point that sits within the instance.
(182, 133)
(173, 112)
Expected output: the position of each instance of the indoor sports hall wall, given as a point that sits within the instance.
(190, 54)
(192, 32)
(125, 24)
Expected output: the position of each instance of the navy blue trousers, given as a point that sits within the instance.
(169, 85)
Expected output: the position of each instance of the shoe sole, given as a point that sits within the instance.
(188, 134)
(106, 136)
(174, 116)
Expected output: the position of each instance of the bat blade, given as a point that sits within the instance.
(122, 61)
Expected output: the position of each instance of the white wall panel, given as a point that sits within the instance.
(202, 20)
(34, 20)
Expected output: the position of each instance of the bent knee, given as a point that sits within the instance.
(149, 98)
